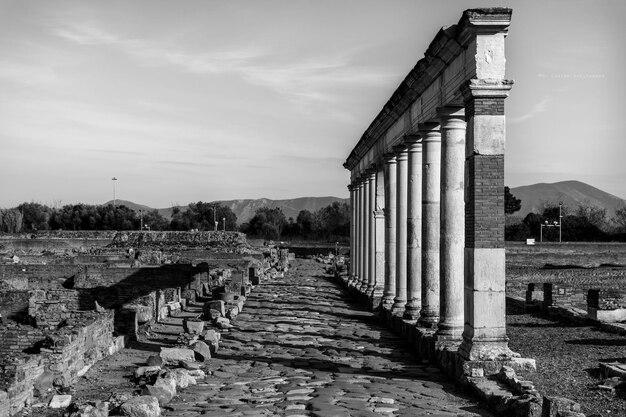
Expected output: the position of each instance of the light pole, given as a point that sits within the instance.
(560, 220)
(224, 221)
(113, 179)
(215, 216)
(141, 220)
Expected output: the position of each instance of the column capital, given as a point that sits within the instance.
(476, 89)
(411, 139)
(370, 173)
(429, 132)
(378, 214)
(350, 187)
(401, 152)
(413, 142)
(390, 158)
(451, 112)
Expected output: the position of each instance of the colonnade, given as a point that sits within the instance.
(427, 193)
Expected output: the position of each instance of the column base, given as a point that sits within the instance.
(448, 342)
(387, 302)
(428, 319)
(363, 288)
(496, 349)
(397, 309)
(353, 279)
(412, 310)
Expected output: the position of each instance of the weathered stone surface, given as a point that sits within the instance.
(223, 323)
(144, 406)
(182, 378)
(155, 360)
(146, 370)
(212, 338)
(174, 355)
(217, 305)
(164, 389)
(202, 351)
(60, 401)
(97, 409)
(194, 326)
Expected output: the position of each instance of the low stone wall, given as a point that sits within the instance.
(65, 354)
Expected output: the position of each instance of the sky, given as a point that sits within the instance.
(204, 100)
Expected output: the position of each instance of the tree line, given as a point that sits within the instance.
(30, 217)
(584, 223)
(328, 223)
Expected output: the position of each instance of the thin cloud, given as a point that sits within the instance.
(301, 81)
(538, 108)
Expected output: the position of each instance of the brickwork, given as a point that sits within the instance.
(484, 210)
(489, 106)
(14, 305)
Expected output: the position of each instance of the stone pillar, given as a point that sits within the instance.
(399, 301)
(363, 233)
(431, 182)
(389, 292)
(358, 250)
(367, 213)
(379, 285)
(484, 335)
(450, 327)
(371, 178)
(414, 229)
(352, 234)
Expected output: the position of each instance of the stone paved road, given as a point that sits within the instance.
(299, 349)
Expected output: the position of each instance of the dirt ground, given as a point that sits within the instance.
(568, 354)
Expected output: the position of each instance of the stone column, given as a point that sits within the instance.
(414, 229)
(450, 327)
(371, 178)
(357, 227)
(379, 286)
(399, 301)
(352, 220)
(431, 182)
(362, 234)
(484, 335)
(390, 231)
(367, 213)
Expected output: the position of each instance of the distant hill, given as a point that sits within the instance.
(571, 193)
(244, 209)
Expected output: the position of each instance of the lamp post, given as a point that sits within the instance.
(560, 220)
(141, 220)
(224, 221)
(215, 215)
(113, 179)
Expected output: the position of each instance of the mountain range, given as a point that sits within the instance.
(571, 193)
(534, 197)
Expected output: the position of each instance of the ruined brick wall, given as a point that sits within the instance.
(18, 374)
(81, 345)
(14, 305)
(24, 277)
(51, 307)
(16, 338)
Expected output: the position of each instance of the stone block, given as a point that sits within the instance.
(217, 305)
(212, 338)
(164, 389)
(223, 323)
(193, 326)
(557, 406)
(154, 360)
(97, 409)
(60, 401)
(182, 378)
(607, 316)
(174, 355)
(145, 406)
(146, 370)
(202, 351)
